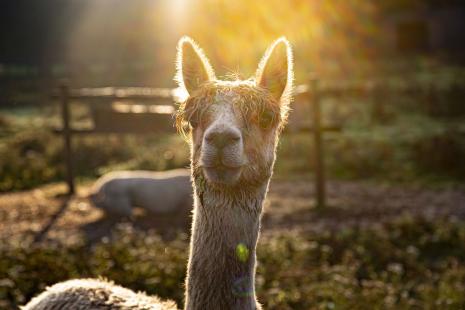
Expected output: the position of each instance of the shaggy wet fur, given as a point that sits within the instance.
(227, 217)
(95, 294)
(252, 102)
(255, 107)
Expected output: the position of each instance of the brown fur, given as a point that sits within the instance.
(228, 216)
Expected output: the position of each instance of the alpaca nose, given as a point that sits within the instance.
(221, 139)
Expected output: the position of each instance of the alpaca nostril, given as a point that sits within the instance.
(221, 139)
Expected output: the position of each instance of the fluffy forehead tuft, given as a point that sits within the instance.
(245, 95)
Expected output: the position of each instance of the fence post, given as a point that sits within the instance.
(317, 136)
(64, 94)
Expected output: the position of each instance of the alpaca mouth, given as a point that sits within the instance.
(222, 174)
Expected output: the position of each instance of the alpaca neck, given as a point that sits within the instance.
(221, 269)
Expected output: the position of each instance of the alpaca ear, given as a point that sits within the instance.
(275, 71)
(193, 67)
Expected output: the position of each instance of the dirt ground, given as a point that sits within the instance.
(39, 213)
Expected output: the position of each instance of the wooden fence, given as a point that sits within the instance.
(155, 106)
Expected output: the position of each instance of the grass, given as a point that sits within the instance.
(414, 148)
(34, 156)
(408, 264)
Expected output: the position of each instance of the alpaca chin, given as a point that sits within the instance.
(222, 176)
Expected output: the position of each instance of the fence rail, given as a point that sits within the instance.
(310, 93)
(302, 90)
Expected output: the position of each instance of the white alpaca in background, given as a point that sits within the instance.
(233, 132)
(118, 192)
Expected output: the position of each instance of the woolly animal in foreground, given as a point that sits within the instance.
(117, 193)
(234, 129)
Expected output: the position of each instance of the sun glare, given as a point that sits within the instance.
(138, 38)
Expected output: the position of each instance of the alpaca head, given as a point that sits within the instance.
(233, 126)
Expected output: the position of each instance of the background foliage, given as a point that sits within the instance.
(409, 264)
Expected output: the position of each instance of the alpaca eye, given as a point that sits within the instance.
(266, 120)
(193, 119)
(193, 122)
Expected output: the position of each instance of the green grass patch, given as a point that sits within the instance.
(409, 264)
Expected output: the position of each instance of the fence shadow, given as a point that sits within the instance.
(168, 226)
(53, 219)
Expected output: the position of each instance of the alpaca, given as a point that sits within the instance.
(232, 128)
(118, 192)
